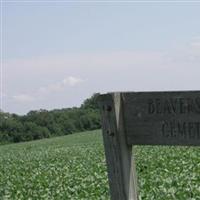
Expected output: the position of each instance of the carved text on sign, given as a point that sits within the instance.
(174, 105)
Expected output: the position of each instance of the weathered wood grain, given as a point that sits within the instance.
(162, 118)
(120, 163)
(144, 118)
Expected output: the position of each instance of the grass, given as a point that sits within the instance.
(73, 167)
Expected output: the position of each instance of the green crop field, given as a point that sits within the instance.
(73, 167)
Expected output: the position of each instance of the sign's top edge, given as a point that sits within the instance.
(156, 91)
(109, 96)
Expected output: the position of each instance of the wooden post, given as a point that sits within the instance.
(119, 158)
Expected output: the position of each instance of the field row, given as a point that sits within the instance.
(73, 167)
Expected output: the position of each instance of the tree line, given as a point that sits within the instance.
(40, 124)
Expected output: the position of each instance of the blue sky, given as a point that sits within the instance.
(57, 54)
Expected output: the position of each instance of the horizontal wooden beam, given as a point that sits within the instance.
(162, 118)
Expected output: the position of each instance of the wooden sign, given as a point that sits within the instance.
(162, 118)
(144, 118)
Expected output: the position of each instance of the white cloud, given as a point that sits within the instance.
(60, 86)
(4, 95)
(46, 90)
(195, 43)
(56, 87)
(23, 98)
(105, 72)
(87, 61)
(72, 81)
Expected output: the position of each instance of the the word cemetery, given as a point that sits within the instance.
(144, 118)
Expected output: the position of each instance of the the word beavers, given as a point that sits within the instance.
(174, 106)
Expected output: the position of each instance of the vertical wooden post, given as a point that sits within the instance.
(120, 162)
